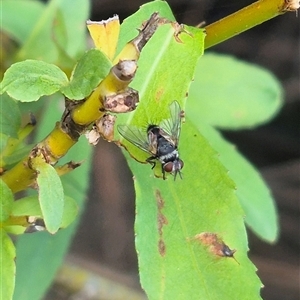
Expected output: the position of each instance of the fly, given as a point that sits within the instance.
(161, 141)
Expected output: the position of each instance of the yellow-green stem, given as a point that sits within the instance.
(19, 177)
(243, 20)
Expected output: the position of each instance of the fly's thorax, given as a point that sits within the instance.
(170, 156)
(164, 147)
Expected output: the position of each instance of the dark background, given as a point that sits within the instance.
(108, 240)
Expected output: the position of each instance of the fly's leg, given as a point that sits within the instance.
(151, 160)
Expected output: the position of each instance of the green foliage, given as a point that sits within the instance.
(231, 94)
(92, 67)
(54, 33)
(20, 28)
(51, 195)
(10, 117)
(242, 96)
(29, 80)
(45, 27)
(254, 196)
(8, 268)
(30, 206)
(35, 251)
(7, 199)
(172, 263)
(226, 93)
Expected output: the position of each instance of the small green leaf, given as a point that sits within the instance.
(30, 206)
(233, 94)
(252, 192)
(29, 80)
(27, 206)
(89, 71)
(6, 201)
(10, 117)
(7, 266)
(51, 196)
(20, 28)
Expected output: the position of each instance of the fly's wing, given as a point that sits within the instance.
(135, 136)
(170, 128)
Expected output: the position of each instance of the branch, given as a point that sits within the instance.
(112, 95)
(246, 18)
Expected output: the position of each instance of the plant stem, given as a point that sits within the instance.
(245, 19)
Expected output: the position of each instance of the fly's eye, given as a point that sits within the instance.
(168, 167)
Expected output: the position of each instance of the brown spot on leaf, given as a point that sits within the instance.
(161, 222)
(161, 247)
(159, 200)
(216, 244)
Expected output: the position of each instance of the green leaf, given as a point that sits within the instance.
(17, 155)
(10, 117)
(8, 268)
(20, 28)
(60, 39)
(3, 141)
(129, 26)
(27, 206)
(233, 94)
(75, 13)
(69, 32)
(29, 80)
(51, 195)
(70, 212)
(29, 251)
(169, 214)
(39, 45)
(89, 71)
(30, 206)
(252, 192)
(172, 264)
(6, 201)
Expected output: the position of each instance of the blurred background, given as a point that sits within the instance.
(104, 243)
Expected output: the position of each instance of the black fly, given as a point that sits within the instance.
(161, 141)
